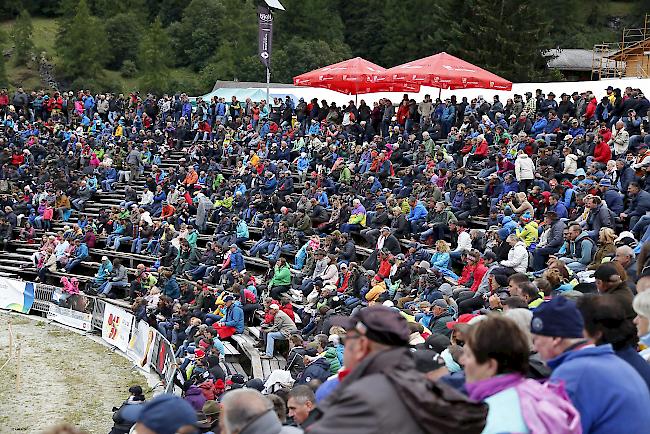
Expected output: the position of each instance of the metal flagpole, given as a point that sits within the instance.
(268, 82)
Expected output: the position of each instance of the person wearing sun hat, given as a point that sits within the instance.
(210, 420)
(609, 394)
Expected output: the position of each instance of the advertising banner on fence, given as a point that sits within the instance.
(116, 327)
(163, 361)
(141, 345)
(16, 295)
(70, 317)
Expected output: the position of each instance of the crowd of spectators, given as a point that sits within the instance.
(431, 266)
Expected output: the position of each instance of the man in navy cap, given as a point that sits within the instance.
(609, 394)
(382, 388)
(165, 414)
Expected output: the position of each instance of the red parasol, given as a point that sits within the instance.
(443, 71)
(352, 77)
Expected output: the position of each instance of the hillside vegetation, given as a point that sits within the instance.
(172, 45)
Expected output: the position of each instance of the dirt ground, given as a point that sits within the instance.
(65, 377)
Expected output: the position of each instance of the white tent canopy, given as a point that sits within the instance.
(597, 87)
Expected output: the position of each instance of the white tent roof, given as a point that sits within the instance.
(597, 87)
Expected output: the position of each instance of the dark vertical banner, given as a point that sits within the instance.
(265, 34)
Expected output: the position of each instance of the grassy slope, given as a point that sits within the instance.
(44, 40)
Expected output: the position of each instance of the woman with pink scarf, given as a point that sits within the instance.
(495, 358)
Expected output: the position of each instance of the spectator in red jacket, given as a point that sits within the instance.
(473, 272)
(4, 101)
(602, 151)
(591, 107)
(287, 308)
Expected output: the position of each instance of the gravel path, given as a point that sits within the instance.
(65, 377)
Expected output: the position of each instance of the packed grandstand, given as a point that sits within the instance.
(413, 266)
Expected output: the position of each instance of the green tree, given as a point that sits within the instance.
(154, 59)
(196, 37)
(82, 44)
(464, 25)
(310, 20)
(21, 35)
(299, 56)
(3, 68)
(168, 10)
(110, 8)
(365, 29)
(125, 30)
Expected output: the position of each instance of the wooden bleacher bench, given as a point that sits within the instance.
(232, 368)
(245, 344)
(256, 332)
(231, 351)
(261, 368)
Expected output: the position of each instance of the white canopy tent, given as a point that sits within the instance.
(597, 87)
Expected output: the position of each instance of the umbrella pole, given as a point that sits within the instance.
(439, 92)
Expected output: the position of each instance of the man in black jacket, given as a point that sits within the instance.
(379, 220)
(387, 242)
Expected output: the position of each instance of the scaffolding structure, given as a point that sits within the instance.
(629, 57)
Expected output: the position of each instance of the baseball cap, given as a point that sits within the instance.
(427, 360)
(462, 319)
(440, 303)
(605, 182)
(605, 272)
(228, 298)
(558, 317)
(164, 414)
(381, 324)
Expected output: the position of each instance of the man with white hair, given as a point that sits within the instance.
(620, 140)
(247, 411)
(626, 257)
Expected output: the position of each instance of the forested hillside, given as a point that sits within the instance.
(171, 44)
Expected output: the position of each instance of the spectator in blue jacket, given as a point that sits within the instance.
(236, 258)
(80, 254)
(417, 216)
(375, 185)
(639, 203)
(558, 206)
(171, 287)
(606, 323)
(538, 126)
(608, 392)
(234, 316)
(549, 131)
(270, 184)
(576, 130)
(612, 197)
(110, 176)
(448, 117)
(314, 128)
(317, 368)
